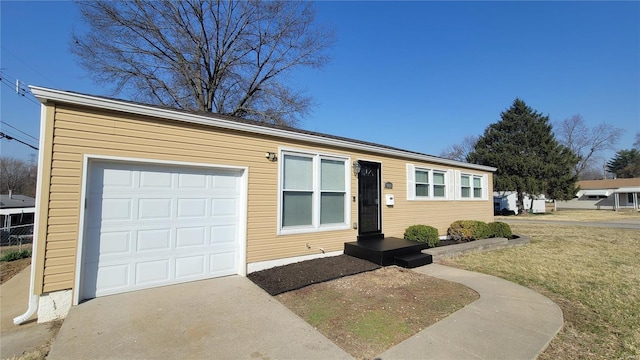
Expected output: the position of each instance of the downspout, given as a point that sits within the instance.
(33, 298)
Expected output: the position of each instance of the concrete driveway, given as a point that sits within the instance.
(28, 337)
(224, 318)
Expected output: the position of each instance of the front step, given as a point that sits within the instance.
(413, 260)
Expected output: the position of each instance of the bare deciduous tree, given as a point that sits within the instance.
(18, 176)
(460, 151)
(231, 57)
(587, 143)
(636, 143)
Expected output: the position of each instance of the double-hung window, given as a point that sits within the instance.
(313, 192)
(424, 184)
(470, 186)
(439, 184)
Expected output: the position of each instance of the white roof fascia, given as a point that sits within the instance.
(46, 94)
(632, 189)
(13, 211)
(596, 192)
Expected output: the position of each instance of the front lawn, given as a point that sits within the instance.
(592, 273)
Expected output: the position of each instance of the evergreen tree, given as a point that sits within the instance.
(625, 164)
(528, 158)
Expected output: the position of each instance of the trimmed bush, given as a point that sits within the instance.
(500, 229)
(422, 233)
(15, 255)
(468, 230)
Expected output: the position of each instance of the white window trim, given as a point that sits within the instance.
(315, 221)
(484, 183)
(411, 184)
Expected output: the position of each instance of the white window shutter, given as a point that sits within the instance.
(411, 182)
(451, 185)
(456, 185)
(485, 187)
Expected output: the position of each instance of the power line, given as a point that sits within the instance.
(20, 131)
(12, 81)
(16, 136)
(5, 136)
(27, 65)
(23, 90)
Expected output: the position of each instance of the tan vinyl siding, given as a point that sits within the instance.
(83, 131)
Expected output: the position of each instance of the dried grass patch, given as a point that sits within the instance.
(366, 314)
(579, 215)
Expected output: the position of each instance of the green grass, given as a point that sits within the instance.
(593, 274)
(379, 326)
(15, 255)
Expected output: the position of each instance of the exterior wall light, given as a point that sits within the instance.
(356, 167)
(271, 156)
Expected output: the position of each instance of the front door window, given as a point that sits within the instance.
(369, 198)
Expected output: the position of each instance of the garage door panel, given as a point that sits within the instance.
(193, 181)
(115, 209)
(150, 272)
(153, 225)
(222, 207)
(225, 181)
(111, 179)
(112, 278)
(188, 208)
(190, 266)
(192, 236)
(223, 235)
(154, 209)
(156, 180)
(153, 240)
(114, 243)
(222, 264)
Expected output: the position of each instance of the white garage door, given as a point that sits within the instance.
(154, 225)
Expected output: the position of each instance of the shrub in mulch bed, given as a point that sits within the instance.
(295, 276)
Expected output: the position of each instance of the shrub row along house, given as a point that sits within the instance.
(132, 196)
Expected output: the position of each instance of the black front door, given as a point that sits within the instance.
(369, 216)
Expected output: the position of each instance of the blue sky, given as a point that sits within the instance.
(415, 75)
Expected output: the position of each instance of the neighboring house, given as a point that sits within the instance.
(16, 210)
(16, 218)
(506, 202)
(133, 196)
(609, 194)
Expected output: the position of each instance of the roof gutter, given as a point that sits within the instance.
(45, 95)
(33, 298)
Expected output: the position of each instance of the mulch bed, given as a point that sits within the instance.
(295, 276)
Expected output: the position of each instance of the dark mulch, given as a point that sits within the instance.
(295, 276)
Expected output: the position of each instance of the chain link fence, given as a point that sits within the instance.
(16, 235)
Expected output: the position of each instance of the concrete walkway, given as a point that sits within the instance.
(232, 318)
(507, 322)
(16, 340)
